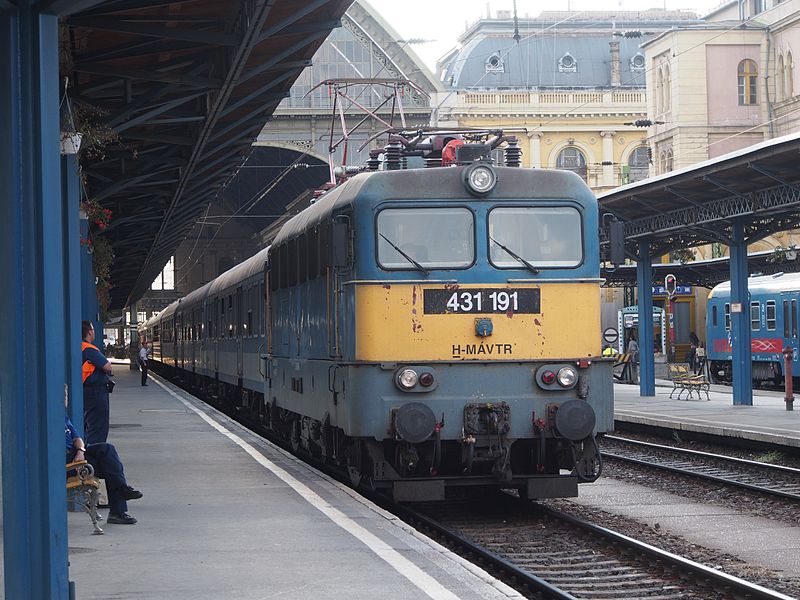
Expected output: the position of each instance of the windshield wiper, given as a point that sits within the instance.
(513, 254)
(417, 266)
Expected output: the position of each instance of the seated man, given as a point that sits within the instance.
(107, 465)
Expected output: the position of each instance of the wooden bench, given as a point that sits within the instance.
(82, 490)
(684, 380)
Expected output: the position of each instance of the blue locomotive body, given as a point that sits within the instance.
(417, 333)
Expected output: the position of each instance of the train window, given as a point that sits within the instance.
(794, 318)
(772, 317)
(324, 231)
(302, 258)
(727, 317)
(292, 263)
(713, 316)
(543, 236)
(313, 253)
(435, 238)
(283, 260)
(786, 317)
(755, 316)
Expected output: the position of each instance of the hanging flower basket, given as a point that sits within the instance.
(70, 142)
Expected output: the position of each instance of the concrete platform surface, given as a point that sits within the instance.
(767, 420)
(757, 540)
(228, 515)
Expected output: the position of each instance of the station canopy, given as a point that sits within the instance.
(179, 89)
(758, 186)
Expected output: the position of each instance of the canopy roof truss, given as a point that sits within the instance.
(758, 187)
(187, 86)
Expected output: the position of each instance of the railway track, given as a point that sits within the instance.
(774, 480)
(551, 555)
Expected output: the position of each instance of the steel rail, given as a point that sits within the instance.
(749, 590)
(732, 459)
(522, 577)
(707, 476)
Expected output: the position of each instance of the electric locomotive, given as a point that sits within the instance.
(425, 330)
(773, 321)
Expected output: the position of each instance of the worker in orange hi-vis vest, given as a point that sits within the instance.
(96, 386)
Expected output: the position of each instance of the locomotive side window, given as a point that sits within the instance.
(727, 317)
(542, 236)
(755, 316)
(794, 318)
(431, 238)
(714, 316)
(772, 316)
(324, 244)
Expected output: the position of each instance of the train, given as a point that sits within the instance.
(773, 310)
(426, 331)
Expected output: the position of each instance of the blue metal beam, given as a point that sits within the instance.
(740, 320)
(71, 197)
(63, 8)
(33, 349)
(121, 25)
(644, 281)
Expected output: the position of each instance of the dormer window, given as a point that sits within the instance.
(567, 64)
(494, 64)
(637, 63)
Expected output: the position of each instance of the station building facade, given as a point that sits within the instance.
(718, 86)
(572, 83)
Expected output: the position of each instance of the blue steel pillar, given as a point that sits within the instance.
(740, 320)
(644, 281)
(90, 308)
(33, 344)
(70, 194)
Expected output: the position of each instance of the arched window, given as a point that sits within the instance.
(662, 161)
(780, 93)
(788, 86)
(669, 160)
(572, 159)
(659, 91)
(639, 164)
(748, 82)
(667, 89)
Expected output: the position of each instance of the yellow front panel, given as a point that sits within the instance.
(391, 325)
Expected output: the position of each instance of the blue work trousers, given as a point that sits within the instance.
(95, 413)
(107, 465)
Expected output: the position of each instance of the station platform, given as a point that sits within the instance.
(226, 514)
(767, 421)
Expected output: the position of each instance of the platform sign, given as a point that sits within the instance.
(610, 335)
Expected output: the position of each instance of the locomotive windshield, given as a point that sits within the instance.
(431, 238)
(541, 236)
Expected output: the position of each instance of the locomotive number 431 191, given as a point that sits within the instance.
(481, 301)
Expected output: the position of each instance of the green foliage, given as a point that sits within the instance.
(771, 457)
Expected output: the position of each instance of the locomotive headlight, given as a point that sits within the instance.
(407, 378)
(567, 376)
(480, 179)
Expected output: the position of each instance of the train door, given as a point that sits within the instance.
(219, 324)
(181, 341)
(239, 330)
(789, 305)
(338, 239)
